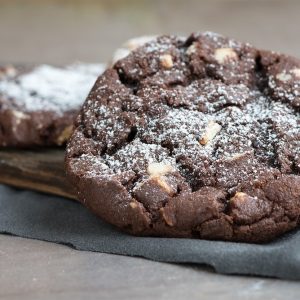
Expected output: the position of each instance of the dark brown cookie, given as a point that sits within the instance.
(196, 137)
(38, 105)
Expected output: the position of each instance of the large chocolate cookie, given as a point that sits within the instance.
(196, 137)
(38, 105)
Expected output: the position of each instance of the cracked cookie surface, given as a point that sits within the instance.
(196, 137)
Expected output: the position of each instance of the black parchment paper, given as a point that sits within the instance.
(44, 217)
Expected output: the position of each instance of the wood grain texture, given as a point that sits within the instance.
(40, 170)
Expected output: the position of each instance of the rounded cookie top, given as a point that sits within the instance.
(196, 137)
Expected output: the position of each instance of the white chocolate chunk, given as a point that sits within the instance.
(284, 77)
(237, 156)
(296, 72)
(159, 169)
(191, 49)
(166, 61)
(19, 116)
(65, 134)
(211, 131)
(168, 219)
(160, 180)
(133, 205)
(222, 55)
(239, 197)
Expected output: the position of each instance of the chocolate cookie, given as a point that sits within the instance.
(196, 137)
(38, 105)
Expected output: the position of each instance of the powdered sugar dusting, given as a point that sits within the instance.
(134, 156)
(159, 116)
(51, 88)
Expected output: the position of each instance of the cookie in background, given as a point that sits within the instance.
(38, 104)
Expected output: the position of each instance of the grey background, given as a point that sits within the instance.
(63, 31)
(67, 30)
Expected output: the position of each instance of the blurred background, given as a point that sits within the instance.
(63, 31)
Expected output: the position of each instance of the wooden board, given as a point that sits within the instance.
(40, 170)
